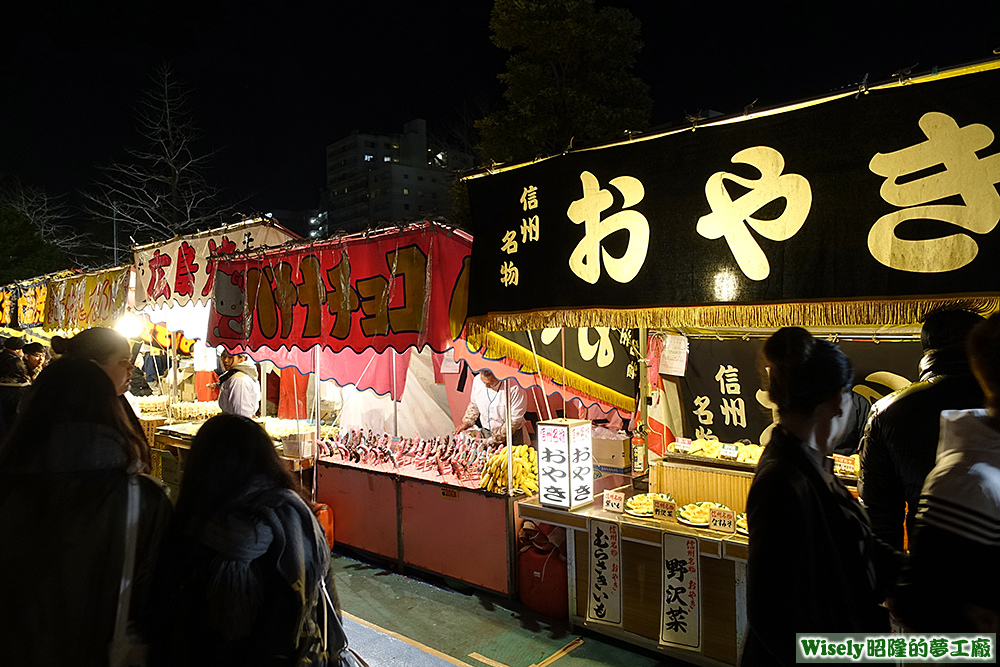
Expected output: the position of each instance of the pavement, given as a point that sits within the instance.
(395, 619)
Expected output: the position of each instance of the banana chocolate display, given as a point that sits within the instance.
(524, 465)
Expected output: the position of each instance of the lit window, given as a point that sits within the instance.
(406, 191)
(386, 159)
(369, 158)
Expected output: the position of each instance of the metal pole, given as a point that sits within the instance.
(316, 408)
(173, 350)
(395, 401)
(263, 387)
(643, 379)
(510, 439)
(562, 337)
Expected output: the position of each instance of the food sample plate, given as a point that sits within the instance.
(697, 514)
(642, 504)
(741, 524)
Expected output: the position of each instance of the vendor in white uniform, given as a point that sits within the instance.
(488, 408)
(239, 389)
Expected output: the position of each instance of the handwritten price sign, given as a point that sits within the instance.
(730, 452)
(843, 465)
(722, 520)
(683, 445)
(664, 510)
(614, 501)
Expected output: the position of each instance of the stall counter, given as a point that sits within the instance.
(721, 571)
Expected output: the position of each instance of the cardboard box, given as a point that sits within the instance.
(612, 456)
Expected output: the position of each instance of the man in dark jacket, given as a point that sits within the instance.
(900, 440)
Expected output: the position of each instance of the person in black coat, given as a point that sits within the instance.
(901, 437)
(65, 472)
(14, 382)
(239, 581)
(813, 563)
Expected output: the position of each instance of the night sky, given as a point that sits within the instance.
(275, 82)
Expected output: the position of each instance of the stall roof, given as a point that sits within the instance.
(865, 208)
(181, 270)
(393, 288)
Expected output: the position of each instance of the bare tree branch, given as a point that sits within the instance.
(161, 191)
(48, 216)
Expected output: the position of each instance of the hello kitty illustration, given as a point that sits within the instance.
(228, 303)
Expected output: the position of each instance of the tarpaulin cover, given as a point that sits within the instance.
(91, 300)
(181, 270)
(803, 215)
(397, 288)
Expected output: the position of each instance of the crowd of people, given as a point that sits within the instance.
(238, 572)
(100, 567)
(819, 560)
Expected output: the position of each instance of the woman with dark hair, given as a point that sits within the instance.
(812, 558)
(241, 571)
(109, 350)
(66, 468)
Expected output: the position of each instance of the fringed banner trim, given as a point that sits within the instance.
(498, 346)
(749, 316)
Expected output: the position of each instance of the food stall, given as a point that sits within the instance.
(174, 286)
(850, 215)
(373, 313)
(357, 310)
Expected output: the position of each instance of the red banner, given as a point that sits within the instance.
(399, 288)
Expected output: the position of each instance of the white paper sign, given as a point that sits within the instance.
(664, 510)
(683, 445)
(604, 598)
(673, 357)
(448, 364)
(680, 617)
(729, 451)
(614, 501)
(722, 520)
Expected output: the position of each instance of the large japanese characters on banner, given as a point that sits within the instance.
(8, 295)
(724, 396)
(91, 300)
(889, 194)
(182, 269)
(31, 304)
(397, 289)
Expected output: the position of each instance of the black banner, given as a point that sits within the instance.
(599, 361)
(722, 391)
(886, 194)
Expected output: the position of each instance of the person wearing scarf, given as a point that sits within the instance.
(242, 565)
